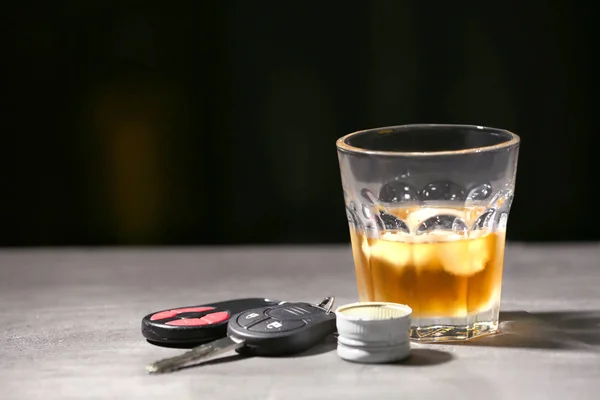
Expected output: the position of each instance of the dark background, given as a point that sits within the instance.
(215, 122)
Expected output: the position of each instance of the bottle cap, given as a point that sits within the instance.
(373, 332)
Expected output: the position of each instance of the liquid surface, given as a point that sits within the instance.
(440, 273)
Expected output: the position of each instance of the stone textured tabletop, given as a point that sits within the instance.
(71, 327)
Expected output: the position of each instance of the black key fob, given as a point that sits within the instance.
(191, 326)
(284, 329)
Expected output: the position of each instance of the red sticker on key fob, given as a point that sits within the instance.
(175, 312)
(215, 318)
(187, 322)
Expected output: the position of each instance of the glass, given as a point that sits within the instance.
(427, 207)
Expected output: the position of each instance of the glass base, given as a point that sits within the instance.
(449, 332)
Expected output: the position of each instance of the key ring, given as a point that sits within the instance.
(327, 303)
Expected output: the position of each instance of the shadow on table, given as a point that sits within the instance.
(568, 330)
(218, 360)
(425, 358)
(417, 358)
(328, 345)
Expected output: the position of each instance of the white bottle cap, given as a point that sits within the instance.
(373, 332)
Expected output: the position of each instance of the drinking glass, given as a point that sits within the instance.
(427, 207)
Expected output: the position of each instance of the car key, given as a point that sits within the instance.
(194, 325)
(269, 331)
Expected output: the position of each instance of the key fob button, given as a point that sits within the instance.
(293, 311)
(248, 318)
(274, 325)
(285, 313)
(215, 318)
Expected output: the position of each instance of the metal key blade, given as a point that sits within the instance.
(197, 353)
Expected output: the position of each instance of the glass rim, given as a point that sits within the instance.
(343, 146)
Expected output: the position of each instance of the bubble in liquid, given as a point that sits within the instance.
(443, 222)
(485, 220)
(391, 222)
(397, 192)
(480, 192)
(443, 190)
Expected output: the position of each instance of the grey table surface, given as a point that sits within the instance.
(71, 327)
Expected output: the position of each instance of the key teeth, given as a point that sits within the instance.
(156, 369)
(167, 365)
(152, 369)
(194, 355)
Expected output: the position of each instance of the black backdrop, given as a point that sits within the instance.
(214, 122)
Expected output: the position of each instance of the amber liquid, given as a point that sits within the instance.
(438, 274)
